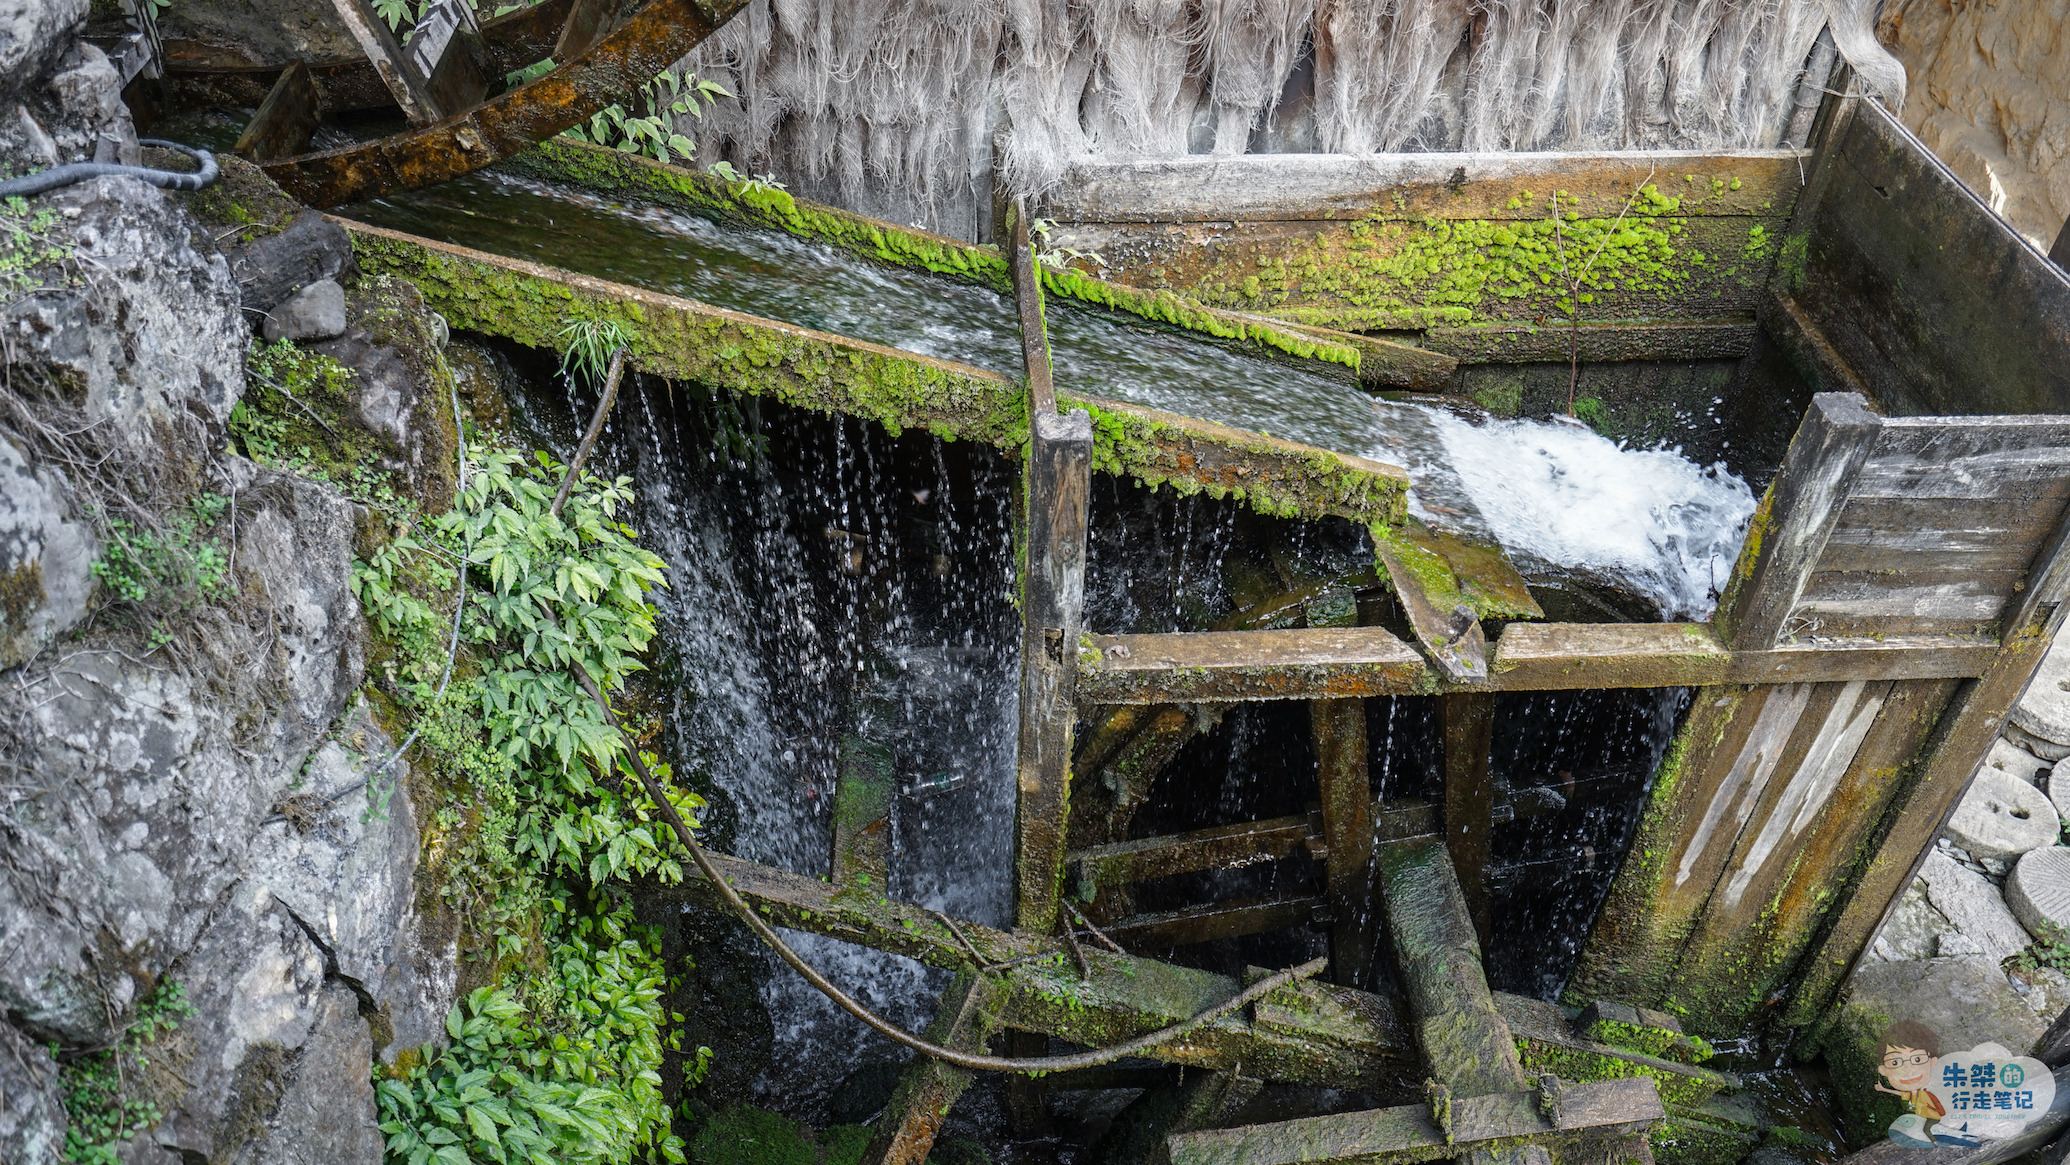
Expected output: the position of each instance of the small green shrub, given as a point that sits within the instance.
(170, 567)
(98, 1086)
(653, 133)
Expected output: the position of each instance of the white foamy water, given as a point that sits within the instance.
(1558, 492)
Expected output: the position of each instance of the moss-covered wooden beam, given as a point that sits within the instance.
(1374, 360)
(1432, 241)
(1307, 1032)
(1334, 662)
(685, 340)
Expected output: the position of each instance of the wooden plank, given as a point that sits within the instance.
(1438, 961)
(1920, 523)
(1027, 294)
(375, 39)
(1409, 1133)
(1106, 792)
(862, 815)
(1334, 662)
(1451, 634)
(1324, 1034)
(1950, 759)
(928, 1088)
(1210, 189)
(1546, 1042)
(1233, 918)
(1789, 530)
(1969, 457)
(1799, 849)
(1597, 340)
(1220, 847)
(285, 120)
(1347, 820)
(588, 22)
(1468, 725)
(1806, 346)
(1917, 584)
(685, 340)
(1938, 304)
(1057, 490)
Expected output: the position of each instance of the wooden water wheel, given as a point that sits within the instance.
(447, 82)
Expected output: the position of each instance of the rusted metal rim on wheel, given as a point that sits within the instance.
(659, 35)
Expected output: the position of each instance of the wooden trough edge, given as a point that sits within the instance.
(1373, 360)
(682, 339)
(1336, 662)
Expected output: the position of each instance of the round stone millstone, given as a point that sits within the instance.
(2044, 710)
(2039, 892)
(2003, 817)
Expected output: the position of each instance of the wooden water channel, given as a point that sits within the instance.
(1903, 577)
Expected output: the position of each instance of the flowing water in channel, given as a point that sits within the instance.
(829, 581)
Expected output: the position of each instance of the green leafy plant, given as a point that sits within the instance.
(171, 565)
(762, 182)
(99, 1087)
(1058, 257)
(30, 242)
(653, 133)
(586, 347)
(2051, 948)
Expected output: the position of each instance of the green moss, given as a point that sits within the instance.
(1687, 1139)
(1406, 273)
(743, 1135)
(893, 245)
(1678, 1085)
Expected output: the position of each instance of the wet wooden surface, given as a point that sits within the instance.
(1056, 490)
(285, 120)
(1339, 731)
(1329, 662)
(928, 1088)
(1614, 1107)
(1935, 303)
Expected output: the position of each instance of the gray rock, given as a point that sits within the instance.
(46, 560)
(85, 111)
(1973, 907)
(32, 1115)
(2047, 750)
(2039, 892)
(2044, 709)
(310, 249)
(1965, 1002)
(1913, 930)
(2008, 757)
(317, 312)
(2003, 817)
(179, 350)
(33, 35)
(24, 146)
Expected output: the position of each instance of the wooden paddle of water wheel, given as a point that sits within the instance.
(449, 80)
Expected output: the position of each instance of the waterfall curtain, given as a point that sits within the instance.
(905, 107)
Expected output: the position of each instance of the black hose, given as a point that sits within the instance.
(30, 185)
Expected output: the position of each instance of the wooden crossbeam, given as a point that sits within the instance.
(405, 83)
(1332, 662)
(285, 120)
(929, 1088)
(1437, 954)
(1614, 1108)
(1231, 918)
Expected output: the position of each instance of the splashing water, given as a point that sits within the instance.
(1561, 493)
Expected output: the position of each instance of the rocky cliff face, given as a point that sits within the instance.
(1991, 96)
(192, 795)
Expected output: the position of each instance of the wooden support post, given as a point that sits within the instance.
(1438, 957)
(1468, 721)
(1057, 490)
(1347, 813)
(1974, 719)
(285, 120)
(1790, 529)
(380, 46)
(1027, 291)
(1027, 1102)
(927, 1090)
(862, 816)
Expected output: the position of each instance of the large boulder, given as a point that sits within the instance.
(33, 35)
(1963, 1001)
(32, 1113)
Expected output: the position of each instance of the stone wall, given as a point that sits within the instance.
(1989, 92)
